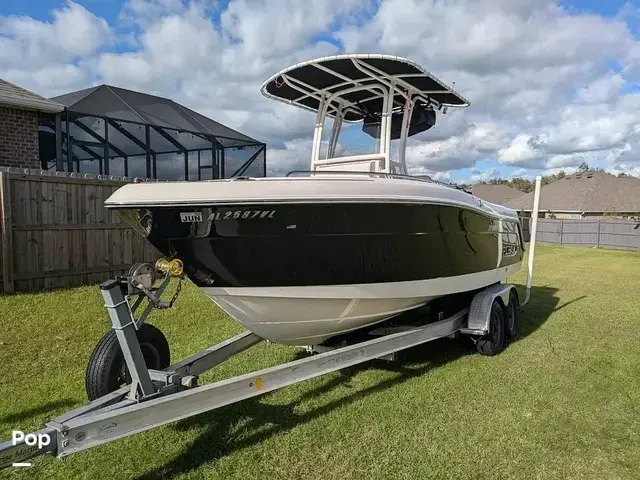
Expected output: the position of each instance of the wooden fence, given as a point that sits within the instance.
(56, 231)
(612, 234)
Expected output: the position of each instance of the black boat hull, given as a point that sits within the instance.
(301, 273)
(301, 244)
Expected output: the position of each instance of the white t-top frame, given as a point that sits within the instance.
(333, 103)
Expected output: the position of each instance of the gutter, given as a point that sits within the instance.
(46, 106)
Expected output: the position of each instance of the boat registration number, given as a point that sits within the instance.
(240, 214)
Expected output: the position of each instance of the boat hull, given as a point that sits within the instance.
(301, 270)
(312, 315)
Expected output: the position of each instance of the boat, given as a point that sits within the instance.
(350, 243)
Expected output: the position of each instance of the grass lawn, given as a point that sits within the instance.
(562, 402)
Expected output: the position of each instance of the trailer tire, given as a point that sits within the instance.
(494, 342)
(107, 372)
(512, 315)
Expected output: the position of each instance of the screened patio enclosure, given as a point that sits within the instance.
(107, 130)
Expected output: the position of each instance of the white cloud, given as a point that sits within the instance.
(602, 90)
(143, 12)
(540, 79)
(48, 56)
(170, 47)
(294, 156)
(479, 176)
(630, 169)
(521, 151)
(74, 32)
(283, 26)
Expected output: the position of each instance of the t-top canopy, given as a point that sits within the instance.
(304, 84)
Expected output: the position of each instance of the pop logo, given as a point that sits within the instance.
(31, 439)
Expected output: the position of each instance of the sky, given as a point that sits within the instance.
(551, 83)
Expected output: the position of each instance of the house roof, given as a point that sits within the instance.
(14, 96)
(131, 106)
(586, 192)
(500, 194)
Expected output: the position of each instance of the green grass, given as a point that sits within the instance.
(562, 402)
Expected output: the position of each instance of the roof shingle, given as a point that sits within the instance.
(500, 194)
(586, 192)
(18, 97)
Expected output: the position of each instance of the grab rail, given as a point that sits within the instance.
(351, 159)
(398, 176)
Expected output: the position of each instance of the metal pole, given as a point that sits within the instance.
(532, 243)
(106, 147)
(69, 149)
(222, 164)
(147, 143)
(215, 166)
(59, 163)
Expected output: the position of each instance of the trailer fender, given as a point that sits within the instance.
(480, 308)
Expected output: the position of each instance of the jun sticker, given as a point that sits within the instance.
(189, 217)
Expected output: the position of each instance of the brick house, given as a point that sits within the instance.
(21, 113)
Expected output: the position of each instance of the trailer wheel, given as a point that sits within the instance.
(493, 343)
(512, 315)
(107, 370)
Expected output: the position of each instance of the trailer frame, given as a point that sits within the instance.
(158, 397)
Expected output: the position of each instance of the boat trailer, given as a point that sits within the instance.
(155, 397)
(155, 393)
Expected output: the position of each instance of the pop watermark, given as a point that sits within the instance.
(30, 439)
(25, 446)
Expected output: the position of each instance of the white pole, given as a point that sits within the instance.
(532, 242)
(317, 135)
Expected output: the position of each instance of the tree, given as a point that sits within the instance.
(522, 184)
(525, 185)
(584, 167)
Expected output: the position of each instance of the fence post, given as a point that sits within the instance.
(7, 232)
(599, 226)
(561, 230)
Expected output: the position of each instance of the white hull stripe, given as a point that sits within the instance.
(410, 289)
